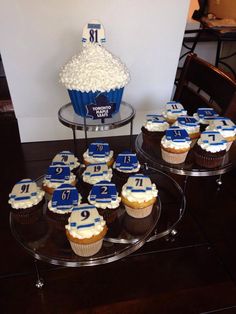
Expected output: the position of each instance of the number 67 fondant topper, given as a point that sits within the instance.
(94, 32)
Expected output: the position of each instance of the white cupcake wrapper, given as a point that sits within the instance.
(173, 158)
(86, 249)
(139, 212)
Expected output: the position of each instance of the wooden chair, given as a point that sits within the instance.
(203, 85)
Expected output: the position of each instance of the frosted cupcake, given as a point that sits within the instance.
(210, 150)
(190, 124)
(26, 200)
(64, 199)
(67, 158)
(154, 128)
(173, 110)
(226, 128)
(97, 172)
(175, 145)
(94, 72)
(85, 230)
(57, 174)
(127, 162)
(205, 116)
(139, 195)
(98, 152)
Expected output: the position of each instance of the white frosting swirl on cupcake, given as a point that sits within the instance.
(156, 123)
(94, 69)
(174, 145)
(218, 145)
(139, 188)
(25, 194)
(55, 185)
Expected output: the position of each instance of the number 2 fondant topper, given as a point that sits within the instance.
(94, 32)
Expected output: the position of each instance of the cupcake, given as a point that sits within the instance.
(175, 145)
(126, 162)
(154, 128)
(173, 110)
(97, 172)
(85, 230)
(226, 128)
(68, 159)
(57, 174)
(210, 150)
(205, 116)
(98, 152)
(139, 195)
(64, 198)
(104, 195)
(93, 73)
(26, 200)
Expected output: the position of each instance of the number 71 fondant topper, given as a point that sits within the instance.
(94, 32)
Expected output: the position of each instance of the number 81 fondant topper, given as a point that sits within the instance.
(212, 138)
(94, 32)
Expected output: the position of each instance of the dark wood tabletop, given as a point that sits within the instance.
(192, 272)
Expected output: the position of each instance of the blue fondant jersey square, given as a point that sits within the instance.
(104, 191)
(99, 150)
(126, 161)
(206, 113)
(65, 197)
(58, 173)
(177, 134)
(187, 121)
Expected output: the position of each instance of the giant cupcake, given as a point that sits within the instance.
(94, 72)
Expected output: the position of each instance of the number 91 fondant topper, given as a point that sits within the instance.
(94, 32)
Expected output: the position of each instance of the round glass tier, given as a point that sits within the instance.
(45, 239)
(151, 152)
(69, 118)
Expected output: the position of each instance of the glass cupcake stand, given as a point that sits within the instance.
(44, 237)
(69, 118)
(152, 155)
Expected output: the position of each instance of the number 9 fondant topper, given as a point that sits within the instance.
(84, 216)
(94, 32)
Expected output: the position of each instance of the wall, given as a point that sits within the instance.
(38, 37)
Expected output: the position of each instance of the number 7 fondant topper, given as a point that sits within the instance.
(94, 32)
(212, 138)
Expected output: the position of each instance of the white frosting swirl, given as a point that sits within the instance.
(91, 177)
(55, 185)
(94, 69)
(174, 145)
(156, 127)
(22, 204)
(140, 197)
(95, 160)
(211, 148)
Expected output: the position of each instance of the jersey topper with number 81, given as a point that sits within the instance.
(93, 32)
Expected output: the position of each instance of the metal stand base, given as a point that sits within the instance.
(39, 282)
